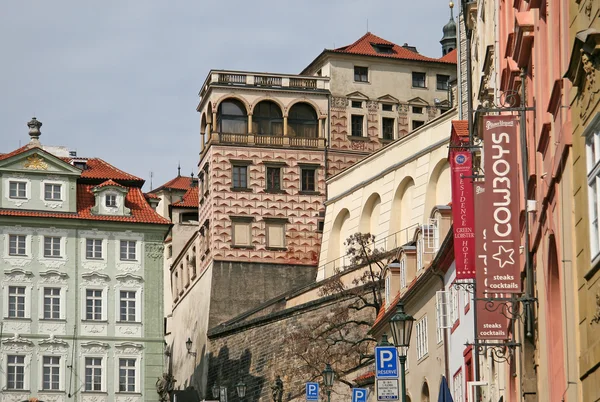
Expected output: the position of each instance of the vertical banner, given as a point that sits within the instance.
(461, 164)
(502, 204)
(491, 324)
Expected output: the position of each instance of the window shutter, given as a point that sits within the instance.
(242, 233)
(443, 308)
(275, 235)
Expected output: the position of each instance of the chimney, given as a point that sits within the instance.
(34, 132)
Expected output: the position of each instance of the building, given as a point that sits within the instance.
(584, 66)
(80, 274)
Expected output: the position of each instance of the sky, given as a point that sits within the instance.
(119, 79)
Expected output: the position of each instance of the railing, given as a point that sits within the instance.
(303, 83)
(263, 139)
(304, 142)
(267, 81)
(233, 138)
(232, 79)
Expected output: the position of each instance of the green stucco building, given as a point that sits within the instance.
(81, 255)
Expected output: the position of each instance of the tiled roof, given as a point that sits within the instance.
(190, 199)
(366, 376)
(461, 128)
(109, 182)
(364, 46)
(141, 212)
(450, 57)
(99, 169)
(178, 183)
(152, 196)
(15, 152)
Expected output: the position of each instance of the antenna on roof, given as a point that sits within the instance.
(178, 169)
(151, 176)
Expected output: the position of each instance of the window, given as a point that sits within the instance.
(388, 290)
(308, 180)
(111, 200)
(52, 192)
(267, 119)
(416, 124)
(16, 302)
(93, 304)
(169, 251)
(421, 329)
(593, 176)
(239, 178)
(51, 247)
(188, 217)
(357, 104)
(93, 248)
(454, 315)
(51, 373)
(17, 245)
(51, 303)
(387, 126)
(418, 80)
(17, 189)
(419, 253)
(93, 374)
(442, 82)
(127, 375)
(303, 121)
(128, 249)
(386, 107)
(402, 274)
(417, 109)
(361, 74)
(241, 231)
(232, 117)
(273, 178)
(15, 372)
(357, 125)
(275, 234)
(442, 310)
(383, 48)
(457, 385)
(127, 306)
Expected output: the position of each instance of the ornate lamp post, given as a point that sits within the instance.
(216, 391)
(328, 377)
(188, 346)
(241, 389)
(401, 325)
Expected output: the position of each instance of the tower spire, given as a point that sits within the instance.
(178, 169)
(448, 41)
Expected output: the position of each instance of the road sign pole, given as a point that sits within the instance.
(403, 377)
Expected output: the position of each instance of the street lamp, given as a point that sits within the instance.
(328, 376)
(401, 325)
(241, 389)
(188, 346)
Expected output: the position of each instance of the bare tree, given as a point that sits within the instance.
(339, 336)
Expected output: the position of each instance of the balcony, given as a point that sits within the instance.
(274, 141)
(265, 80)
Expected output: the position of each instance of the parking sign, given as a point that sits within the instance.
(359, 395)
(386, 362)
(312, 391)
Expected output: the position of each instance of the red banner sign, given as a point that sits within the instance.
(461, 164)
(501, 211)
(491, 323)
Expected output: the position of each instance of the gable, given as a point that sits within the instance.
(357, 95)
(388, 98)
(36, 160)
(418, 101)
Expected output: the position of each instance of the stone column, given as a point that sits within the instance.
(321, 127)
(249, 123)
(285, 128)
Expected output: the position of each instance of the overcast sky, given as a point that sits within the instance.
(119, 79)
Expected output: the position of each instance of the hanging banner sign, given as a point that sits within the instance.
(501, 213)
(491, 323)
(463, 217)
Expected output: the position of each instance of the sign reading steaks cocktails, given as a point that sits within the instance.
(501, 205)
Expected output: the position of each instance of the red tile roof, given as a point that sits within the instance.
(364, 46)
(178, 183)
(366, 376)
(153, 196)
(109, 182)
(100, 169)
(190, 199)
(461, 128)
(450, 57)
(15, 152)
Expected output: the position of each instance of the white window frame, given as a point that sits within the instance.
(58, 366)
(139, 298)
(52, 244)
(18, 238)
(103, 298)
(18, 183)
(108, 198)
(136, 299)
(53, 191)
(62, 301)
(388, 290)
(128, 249)
(420, 252)
(25, 365)
(14, 291)
(402, 274)
(457, 386)
(592, 143)
(455, 305)
(442, 318)
(137, 377)
(102, 366)
(5, 296)
(94, 241)
(422, 338)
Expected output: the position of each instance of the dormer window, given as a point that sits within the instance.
(52, 192)
(79, 164)
(111, 200)
(384, 48)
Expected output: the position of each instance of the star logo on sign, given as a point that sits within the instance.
(504, 256)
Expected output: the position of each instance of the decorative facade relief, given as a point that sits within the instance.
(14, 396)
(16, 326)
(94, 278)
(17, 344)
(95, 398)
(339, 102)
(129, 280)
(94, 329)
(35, 162)
(128, 348)
(591, 87)
(129, 330)
(128, 266)
(94, 347)
(53, 277)
(129, 398)
(53, 345)
(52, 397)
(18, 275)
(52, 328)
(373, 106)
(154, 251)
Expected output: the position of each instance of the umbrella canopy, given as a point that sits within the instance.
(444, 394)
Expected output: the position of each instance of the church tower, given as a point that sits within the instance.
(449, 39)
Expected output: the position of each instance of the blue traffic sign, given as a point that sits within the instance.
(312, 391)
(386, 362)
(359, 395)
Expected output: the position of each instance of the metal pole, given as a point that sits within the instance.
(328, 395)
(403, 376)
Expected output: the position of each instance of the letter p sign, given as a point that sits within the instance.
(312, 391)
(386, 362)
(359, 395)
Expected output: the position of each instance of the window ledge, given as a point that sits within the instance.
(309, 192)
(53, 199)
(18, 198)
(52, 391)
(419, 87)
(15, 390)
(128, 393)
(53, 319)
(94, 259)
(53, 257)
(423, 358)
(242, 247)
(357, 138)
(276, 248)
(275, 191)
(129, 260)
(18, 318)
(95, 392)
(241, 189)
(129, 322)
(95, 321)
(17, 255)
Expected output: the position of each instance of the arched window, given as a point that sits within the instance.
(267, 119)
(302, 121)
(232, 117)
